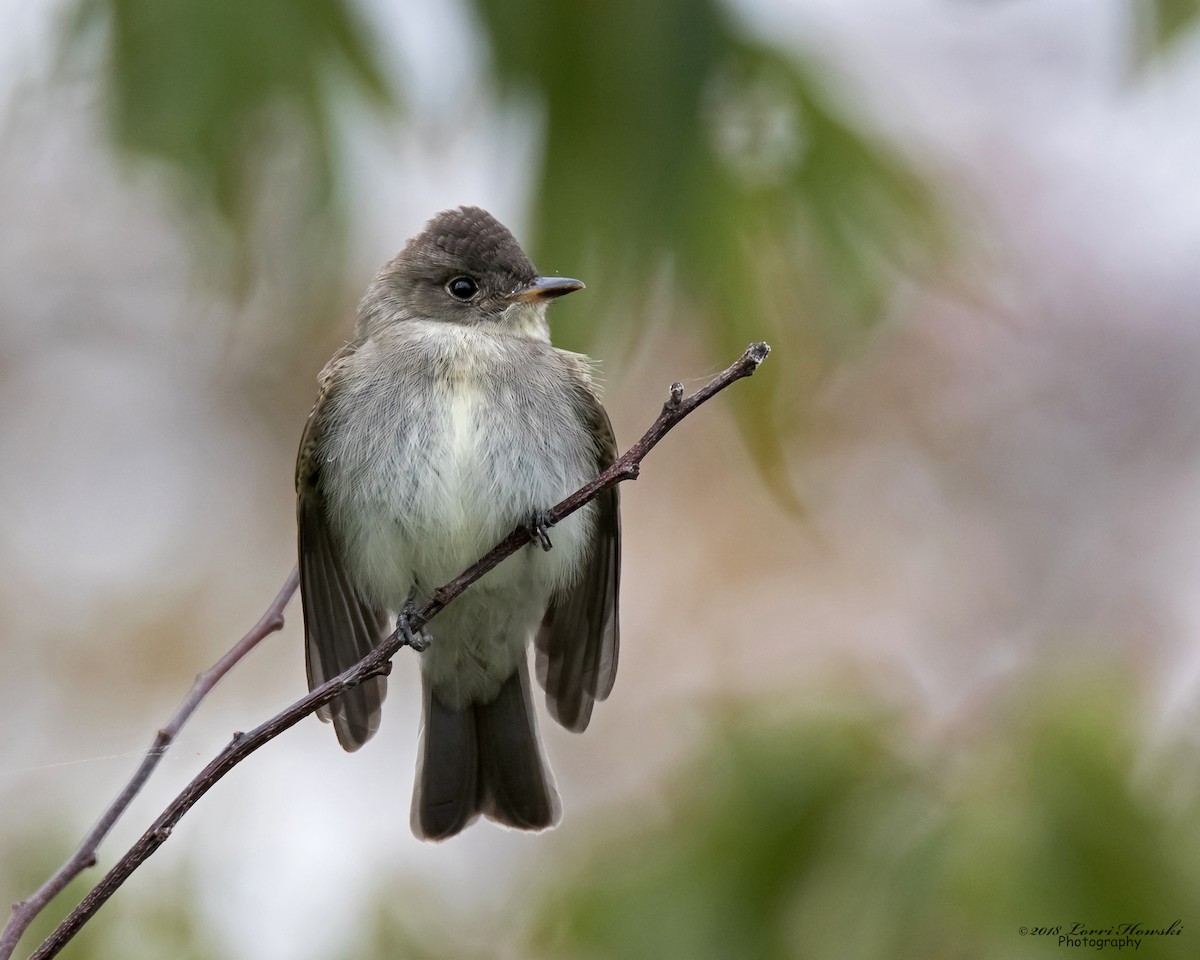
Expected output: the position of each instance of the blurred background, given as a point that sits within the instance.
(910, 619)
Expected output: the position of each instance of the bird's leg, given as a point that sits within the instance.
(539, 526)
(419, 638)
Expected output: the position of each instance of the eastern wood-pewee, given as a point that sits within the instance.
(448, 420)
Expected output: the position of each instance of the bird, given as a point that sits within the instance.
(446, 422)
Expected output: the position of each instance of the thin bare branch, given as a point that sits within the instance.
(24, 911)
(379, 660)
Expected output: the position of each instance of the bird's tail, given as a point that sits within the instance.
(484, 759)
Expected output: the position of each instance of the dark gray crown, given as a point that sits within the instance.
(472, 239)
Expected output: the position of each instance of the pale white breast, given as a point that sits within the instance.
(440, 441)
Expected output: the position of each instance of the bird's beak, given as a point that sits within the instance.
(547, 288)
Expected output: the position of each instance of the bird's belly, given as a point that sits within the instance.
(458, 469)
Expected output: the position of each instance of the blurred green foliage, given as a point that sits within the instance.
(673, 139)
(1170, 19)
(826, 837)
(227, 97)
(145, 921)
(835, 833)
(844, 834)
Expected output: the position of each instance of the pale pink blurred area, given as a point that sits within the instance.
(1007, 475)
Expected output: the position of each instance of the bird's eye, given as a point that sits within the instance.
(462, 288)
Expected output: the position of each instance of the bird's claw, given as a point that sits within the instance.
(417, 638)
(539, 529)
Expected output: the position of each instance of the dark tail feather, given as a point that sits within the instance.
(516, 786)
(446, 794)
(484, 759)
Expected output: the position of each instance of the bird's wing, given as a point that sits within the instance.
(578, 641)
(339, 627)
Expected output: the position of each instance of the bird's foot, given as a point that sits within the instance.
(411, 627)
(539, 526)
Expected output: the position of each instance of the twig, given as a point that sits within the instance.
(379, 660)
(24, 911)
